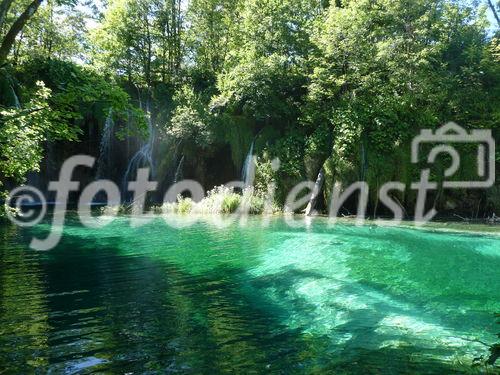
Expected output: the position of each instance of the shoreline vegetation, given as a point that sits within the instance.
(227, 201)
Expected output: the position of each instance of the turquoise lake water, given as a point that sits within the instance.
(253, 298)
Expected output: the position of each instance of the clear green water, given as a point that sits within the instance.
(251, 299)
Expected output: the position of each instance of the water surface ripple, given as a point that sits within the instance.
(313, 299)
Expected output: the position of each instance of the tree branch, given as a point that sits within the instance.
(24, 113)
(15, 29)
(494, 11)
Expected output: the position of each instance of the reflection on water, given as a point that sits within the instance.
(251, 299)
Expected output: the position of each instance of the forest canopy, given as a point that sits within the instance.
(339, 87)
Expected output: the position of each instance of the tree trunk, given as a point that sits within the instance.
(4, 8)
(16, 28)
(318, 187)
(494, 11)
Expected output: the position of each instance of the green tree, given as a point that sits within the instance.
(209, 37)
(24, 131)
(56, 95)
(55, 31)
(388, 68)
(140, 40)
(14, 16)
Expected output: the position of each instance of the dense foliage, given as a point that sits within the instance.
(339, 86)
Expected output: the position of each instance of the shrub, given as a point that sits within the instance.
(256, 205)
(213, 203)
(185, 206)
(220, 200)
(168, 208)
(230, 203)
(4, 210)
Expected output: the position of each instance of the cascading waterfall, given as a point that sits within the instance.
(174, 170)
(178, 172)
(176, 150)
(17, 103)
(143, 158)
(50, 166)
(105, 148)
(248, 171)
(129, 120)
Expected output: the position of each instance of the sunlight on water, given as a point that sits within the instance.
(247, 298)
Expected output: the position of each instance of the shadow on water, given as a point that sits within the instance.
(351, 355)
(93, 309)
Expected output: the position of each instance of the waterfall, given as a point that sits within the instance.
(105, 148)
(178, 172)
(248, 171)
(17, 103)
(143, 157)
(129, 120)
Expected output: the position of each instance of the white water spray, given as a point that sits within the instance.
(248, 171)
(178, 172)
(143, 157)
(17, 103)
(105, 148)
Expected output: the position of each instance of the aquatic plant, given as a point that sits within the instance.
(221, 200)
(185, 205)
(214, 200)
(230, 203)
